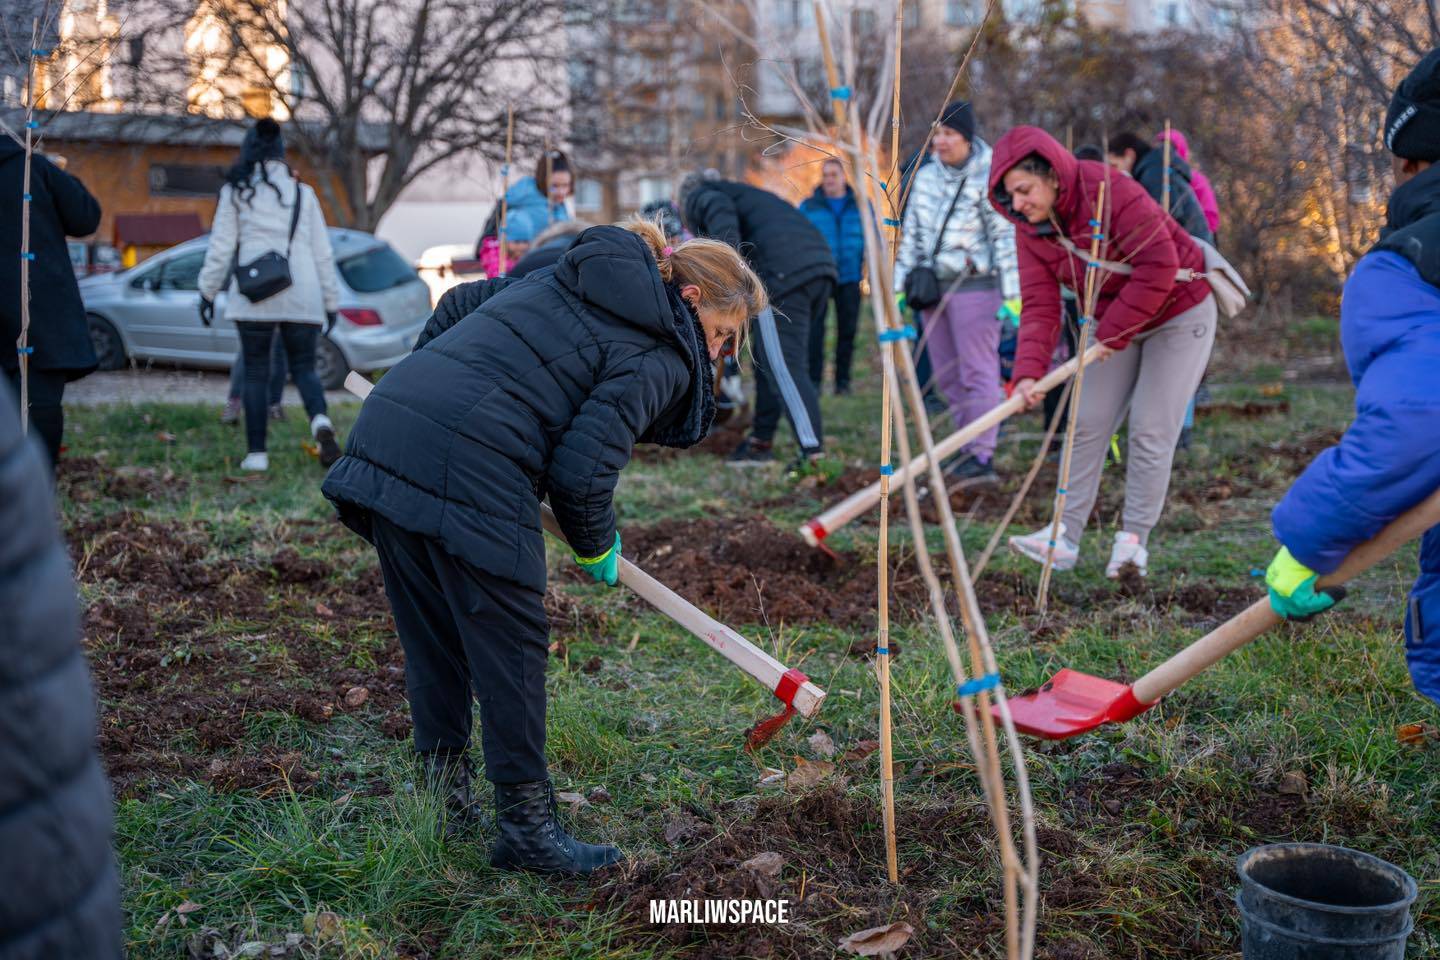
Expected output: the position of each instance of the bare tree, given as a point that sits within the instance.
(383, 91)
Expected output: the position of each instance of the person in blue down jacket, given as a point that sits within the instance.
(833, 210)
(1389, 459)
(519, 390)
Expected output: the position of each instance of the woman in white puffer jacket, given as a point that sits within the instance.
(253, 217)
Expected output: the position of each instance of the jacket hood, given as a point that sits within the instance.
(1178, 142)
(1156, 157)
(1416, 198)
(612, 271)
(523, 191)
(1015, 146)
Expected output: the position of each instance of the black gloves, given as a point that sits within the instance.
(207, 310)
(330, 317)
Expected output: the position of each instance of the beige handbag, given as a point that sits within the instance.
(1231, 292)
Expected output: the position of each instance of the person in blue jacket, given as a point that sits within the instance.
(833, 210)
(1389, 459)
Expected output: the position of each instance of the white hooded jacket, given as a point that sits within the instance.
(978, 240)
(261, 224)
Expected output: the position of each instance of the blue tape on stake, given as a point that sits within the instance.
(34, 52)
(1082, 321)
(27, 255)
(882, 651)
(891, 222)
(979, 685)
(1062, 491)
(504, 169)
(24, 351)
(886, 470)
(1094, 223)
(26, 197)
(906, 332)
(33, 124)
(840, 93)
(884, 185)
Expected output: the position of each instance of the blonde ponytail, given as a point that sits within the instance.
(726, 282)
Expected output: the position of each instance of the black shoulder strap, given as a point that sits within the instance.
(1419, 242)
(940, 234)
(294, 218)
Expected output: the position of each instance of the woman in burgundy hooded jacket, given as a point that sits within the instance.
(1156, 331)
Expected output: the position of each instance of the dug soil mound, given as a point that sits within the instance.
(750, 571)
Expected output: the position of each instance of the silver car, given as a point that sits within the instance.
(151, 312)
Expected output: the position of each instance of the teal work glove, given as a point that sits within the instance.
(900, 300)
(1292, 589)
(605, 567)
(1009, 312)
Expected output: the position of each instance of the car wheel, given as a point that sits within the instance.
(330, 364)
(109, 348)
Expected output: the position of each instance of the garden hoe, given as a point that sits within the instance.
(790, 686)
(1072, 703)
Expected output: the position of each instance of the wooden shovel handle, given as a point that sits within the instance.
(725, 641)
(729, 644)
(1259, 617)
(864, 500)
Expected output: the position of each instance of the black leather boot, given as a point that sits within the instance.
(531, 838)
(450, 774)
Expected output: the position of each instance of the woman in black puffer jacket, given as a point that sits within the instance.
(519, 390)
(61, 892)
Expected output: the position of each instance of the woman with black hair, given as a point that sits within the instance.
(264, 210)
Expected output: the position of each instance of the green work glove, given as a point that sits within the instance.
(900, 300)
(605, 567)
(1009, 312)
(1292, 589)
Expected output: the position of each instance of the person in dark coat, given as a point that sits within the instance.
(520, 390)
(833, 210)
(549, 245)
(795, 262)
(60, 207)
(1146, 163)
(62, 894)
(1389, 459)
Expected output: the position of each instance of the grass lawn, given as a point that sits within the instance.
(254, 723)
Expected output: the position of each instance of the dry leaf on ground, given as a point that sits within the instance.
(878, 940)
(807, 773)
(821, 745)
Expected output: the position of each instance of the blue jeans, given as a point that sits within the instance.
(279, 372)
(256, 343)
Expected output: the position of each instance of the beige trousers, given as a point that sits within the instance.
(1152, 380)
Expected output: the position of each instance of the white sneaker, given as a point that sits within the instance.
(1127, 549)
(320, 422)
(1036, 545)
(256, 462)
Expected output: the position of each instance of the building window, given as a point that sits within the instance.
(864, 23)
(654, 188)
(589, 195)
(185, 180)
(959, 13)
(912, 14)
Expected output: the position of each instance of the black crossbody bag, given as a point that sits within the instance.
(922, 283)
(269, 273)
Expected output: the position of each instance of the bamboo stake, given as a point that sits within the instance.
(505, 186)
(1035, 466)
(1165, 170)
(838, 95)
(22, 345)
(882, 647)
(1087, 309)
(984, 747)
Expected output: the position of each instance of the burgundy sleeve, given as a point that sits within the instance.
(1040, 311)
(1141, 237)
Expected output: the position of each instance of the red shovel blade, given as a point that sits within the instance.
(1071, 703)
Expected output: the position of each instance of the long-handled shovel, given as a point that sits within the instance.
(792, 687)
(863, 501)
(1072, 703)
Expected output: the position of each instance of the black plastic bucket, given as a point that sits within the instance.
(1314, 901)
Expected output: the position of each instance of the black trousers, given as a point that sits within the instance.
(781, 345)
(847, 317)
(255, 340)
(465, 631)
(46, 390)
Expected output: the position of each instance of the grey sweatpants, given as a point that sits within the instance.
(1152, 380)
